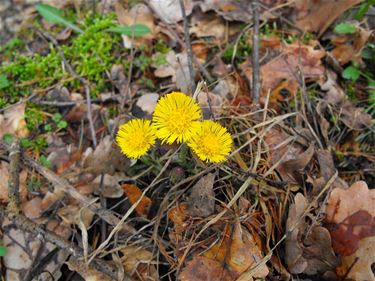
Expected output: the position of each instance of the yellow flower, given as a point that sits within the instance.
(211, 142)
(175, 117)
(135, 137)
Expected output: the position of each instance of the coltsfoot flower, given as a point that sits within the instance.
(135, 138)
(211, 142)
(176, 117)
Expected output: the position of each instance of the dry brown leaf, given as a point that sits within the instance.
(138, 14)
(359, 265)
(13, 121)
(61, 228)
(200, 51)
(351, 48)
(280, 75)
(318, 15)
(201, 201)
(238, 10)
(353, 117)
(74, 215)
(176, 67)
(170, 10)
(300, 161)
(307, 248)
(106, 158)
(178, 216)
(50, 198)
(134, 194)
(33, 208)
(207, 27)
(137, 262)
(23, 249)
(109, 187)
(205, 269)
(63, 158)
(350, 215)
(147, 102)
(88, 273)
(244, 252)
(210, 103)
(168, 69)
(280, 152)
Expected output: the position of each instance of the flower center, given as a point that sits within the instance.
(210, 145)
(178, 121)
(138, 139)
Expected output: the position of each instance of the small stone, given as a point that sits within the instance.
(4, 5)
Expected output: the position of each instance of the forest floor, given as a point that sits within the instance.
(287, 195)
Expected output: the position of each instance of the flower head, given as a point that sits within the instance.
(135, 137)
(175, 117)
(211, 142)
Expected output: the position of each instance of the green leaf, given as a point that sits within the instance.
(135, 30)
(56, 117)
(54, 15)
(363, 9)
(345, 28)
(62, 124)
(25, 143)
(8, 139)
(48, 127)
(3, 251)
(45, 162)
(351, 73)
(4, 82)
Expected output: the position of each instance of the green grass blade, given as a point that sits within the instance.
(135, 30)
(54, 15)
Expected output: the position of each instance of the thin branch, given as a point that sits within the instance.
(188, 48)
(64, 185)
(38, 231)
(14, 180)
(255, 53)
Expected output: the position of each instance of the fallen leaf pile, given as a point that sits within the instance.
(293, 201)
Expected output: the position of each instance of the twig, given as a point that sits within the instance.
(89, 113)
(64, 185)
(27, 225)
(188, 48)
(14, 181)
(255, 53)
(112, 99)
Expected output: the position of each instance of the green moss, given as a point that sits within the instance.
(91, 54)
(34, 117)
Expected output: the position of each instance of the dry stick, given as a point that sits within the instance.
(38, 231)
(64, 185)
(188, 47)
(14, 180)
(255, 53)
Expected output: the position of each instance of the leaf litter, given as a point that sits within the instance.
(295, 197)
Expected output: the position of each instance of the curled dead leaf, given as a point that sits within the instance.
(134, 194)
(308, 248)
